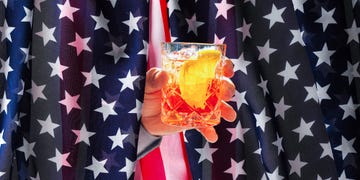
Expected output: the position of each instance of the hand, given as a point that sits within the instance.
(151, 111)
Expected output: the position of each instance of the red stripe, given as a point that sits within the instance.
(152, 166)
(186, 160)
(165, 16)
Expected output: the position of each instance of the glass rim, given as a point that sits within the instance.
(192, 43)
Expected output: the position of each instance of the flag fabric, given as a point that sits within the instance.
(71, 87)
(72, 82)
(297, 81)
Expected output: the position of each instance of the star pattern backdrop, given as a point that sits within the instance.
(72, 81)
(71, 88)
(297, 87)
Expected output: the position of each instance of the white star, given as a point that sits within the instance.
(222, 8)
(322, 92)
(37, 91)
(26, 54)
(47, 126)
(128, 168)
(193, 24)
(311, 93)
(57, 69)
(128, 81)
(278, 143)
(262, 119)
(299, 5)
(6, 31)
(217, 40)
(106, 109)
(304, 129)
(118, 139)
(83, 135)
(172, 6)
(5, 67)
(92, 77)
(36, 178)
(97, 167)
(2, 173)
(297, 37)
(80, 44)
(239, 98)
(237, 132)
(137, 109)
(236, 169)
(117, 52)
(265, 51)
(275, 15)
(206, 153)
(289, 72)
(245, 29)
(66, 10)
(240, 64)
(346, 147)
(353, 33)
(296, 165)
(70, 102)
(101, 22)
(326, 150)
(349, 108)
(5, 4)
(263, 85)
(351, 71)
(324, 55)
(28, 15)
(132, 23)
(354, 2)
(37, 4)
(280, 108)
(2, 140)
(4, 103)
(326, 18)
(253, 2)
(144, 51)
(113, 3)
(60, 159)
(47, 34)
(343, 176)
(27, 148)
(274, 175)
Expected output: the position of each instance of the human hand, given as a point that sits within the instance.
(151, 111)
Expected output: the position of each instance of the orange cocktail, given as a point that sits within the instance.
(191, 96)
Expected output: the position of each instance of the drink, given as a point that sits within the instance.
(191, 96)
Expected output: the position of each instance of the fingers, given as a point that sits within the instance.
(227, 112)
(155, 80)
(209, 133)
(227, 90)
(228, 68)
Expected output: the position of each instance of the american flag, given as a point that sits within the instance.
(72, 85)
(72, 82)
(297, 83)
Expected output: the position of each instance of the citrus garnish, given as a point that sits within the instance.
(196, 77)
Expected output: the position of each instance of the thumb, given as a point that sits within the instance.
(155, 80)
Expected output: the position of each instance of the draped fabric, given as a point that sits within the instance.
(71, 87)
(72, 82)
(297, 81)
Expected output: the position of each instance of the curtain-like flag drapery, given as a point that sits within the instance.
(72, 82)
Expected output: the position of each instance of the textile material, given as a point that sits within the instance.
(71, 87)
(72, 81)
(297, 81)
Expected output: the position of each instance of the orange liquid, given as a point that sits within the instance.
(175, 111)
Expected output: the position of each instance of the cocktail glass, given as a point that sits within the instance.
(191, 96)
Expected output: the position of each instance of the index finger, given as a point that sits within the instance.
(228, 68)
